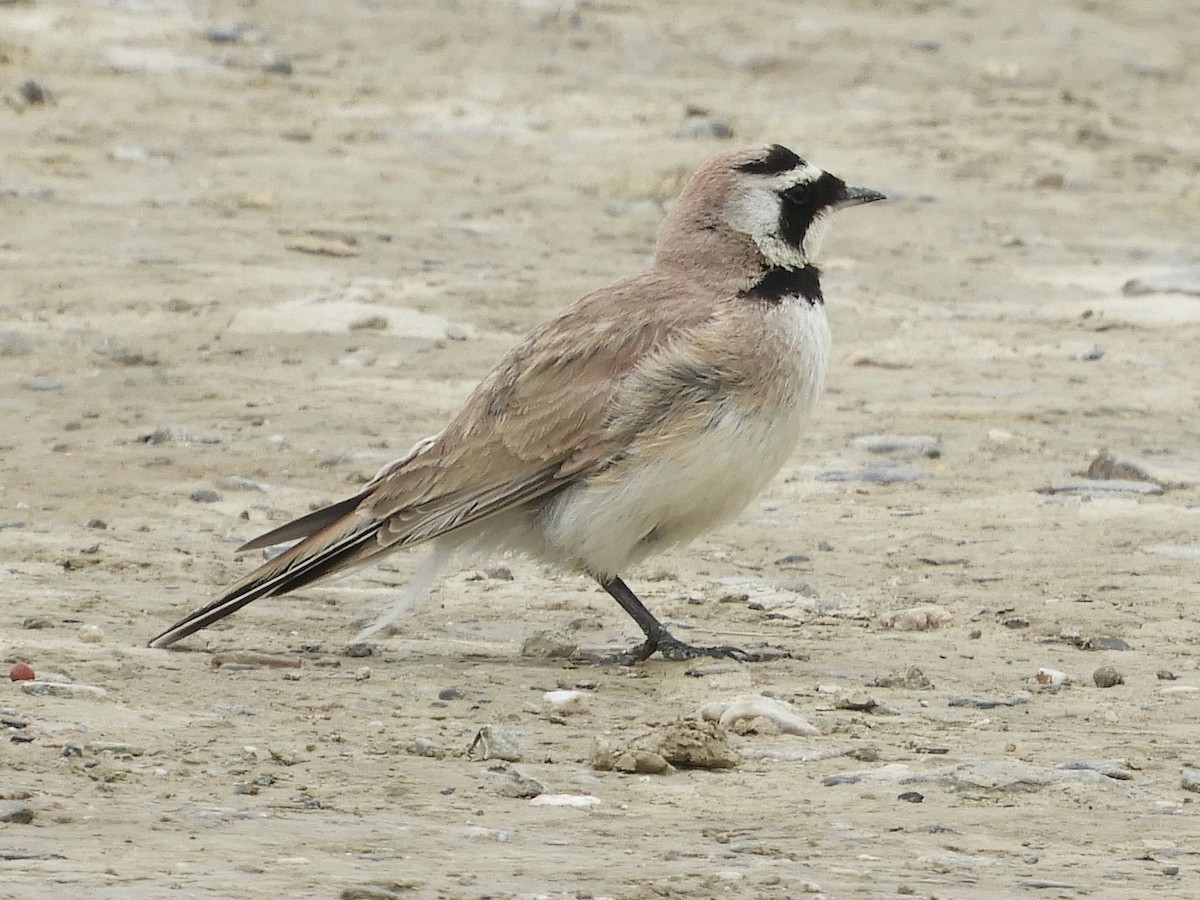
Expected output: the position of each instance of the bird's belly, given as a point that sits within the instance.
(681, 490)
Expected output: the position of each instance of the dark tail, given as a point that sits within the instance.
(316, 556)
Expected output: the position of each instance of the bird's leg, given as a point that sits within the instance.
(658, 639)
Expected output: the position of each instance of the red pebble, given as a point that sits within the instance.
(21, 672)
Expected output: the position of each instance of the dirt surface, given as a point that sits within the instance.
(252, 251)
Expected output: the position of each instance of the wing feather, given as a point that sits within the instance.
(540, 420)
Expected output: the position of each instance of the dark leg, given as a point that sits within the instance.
(658, 639)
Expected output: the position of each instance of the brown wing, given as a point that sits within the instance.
(540, 418)
(536, 422)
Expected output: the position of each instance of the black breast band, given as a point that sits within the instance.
(778, 282)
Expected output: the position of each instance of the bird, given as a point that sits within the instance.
(644, 415)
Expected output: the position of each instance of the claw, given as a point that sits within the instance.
(670, 647)
(674, 649)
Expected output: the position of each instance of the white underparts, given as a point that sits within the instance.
(664, 495)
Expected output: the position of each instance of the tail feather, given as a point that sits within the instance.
(290, 570)
(305, 525)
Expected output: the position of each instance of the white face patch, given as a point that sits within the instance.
(814, 237)
(754, 209)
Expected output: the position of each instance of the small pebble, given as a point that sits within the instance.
(21, 672)
(986, 703)
(389, 890)
(1180, 280)
(450, 693)
(1170, 870)
(690, 744)
(879, 474)
(916, 618)
(228, 33)
(160, 435)
(784, 715)
(117, 748)
(521, 785)
(15, 813)
(321, 246)
(566, 701)
(34, 93)
(252, 659)
(495, 742)
(602, 755)
(912, 797)
(1104, 642)
(922, 444)
(857, 701)
(205, 496)
(1109, 466)
(57, 689)
(359, 650)
(641, 762)
(1189, 780)
(1107, 676)
(1102, 488)
(1052, 676)
(91, 634)
(1118, 770)
(548, 645)
(423, 746)
(579, 801)
(911, 678)
(241, 483)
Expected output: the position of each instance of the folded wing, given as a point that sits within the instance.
(536, 423)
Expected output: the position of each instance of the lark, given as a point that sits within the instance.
(643, 416)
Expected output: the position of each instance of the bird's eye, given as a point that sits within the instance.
(797, 193)
(810, 197)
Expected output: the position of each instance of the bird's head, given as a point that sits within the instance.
(761, 206)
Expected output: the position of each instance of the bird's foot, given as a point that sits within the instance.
(670, 647)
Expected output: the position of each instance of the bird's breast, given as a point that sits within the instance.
(795, 353)
(705, 460)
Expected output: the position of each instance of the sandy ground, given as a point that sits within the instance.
(249, 265)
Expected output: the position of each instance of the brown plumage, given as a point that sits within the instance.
(647, 412)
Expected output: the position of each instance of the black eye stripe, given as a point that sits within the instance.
(803, 202)
(779, 159)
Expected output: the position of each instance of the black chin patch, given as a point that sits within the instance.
(802, 203)
(779, 159)
(778, 283)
